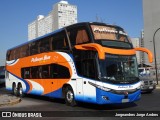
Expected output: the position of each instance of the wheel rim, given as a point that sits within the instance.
(69, 96)
(20, 91)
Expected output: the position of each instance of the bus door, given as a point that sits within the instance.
(79, 89)
(87, 71)
(85, 89)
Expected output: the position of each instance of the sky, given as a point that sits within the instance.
(17, 14)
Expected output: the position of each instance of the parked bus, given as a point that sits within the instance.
(87, 62)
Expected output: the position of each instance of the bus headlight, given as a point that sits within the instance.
(99, 86)
(105, 88)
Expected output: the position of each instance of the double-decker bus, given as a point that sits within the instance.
(88, 62)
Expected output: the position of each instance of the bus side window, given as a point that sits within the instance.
(34, 48)
(59, 72)
(45, 71)
(17, 53)
(12, 56)
(82, 37)
(8, 55)
(25, 51)
(35, 72)
(88, 68)
(25, 73)
(59, 41)
(78, 35)
(44, 45)
(86, 64)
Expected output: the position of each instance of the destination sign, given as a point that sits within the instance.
(107, 32)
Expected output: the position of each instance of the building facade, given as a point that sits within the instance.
(151, 14)
(136, 43)
(62, 14)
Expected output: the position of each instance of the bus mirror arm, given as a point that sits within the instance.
(150, 55)
(91, 46)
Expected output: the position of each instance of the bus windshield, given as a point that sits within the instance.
(111, 36)
(119, 69)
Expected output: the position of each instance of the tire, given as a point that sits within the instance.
(69, 97)
(20, 91)
(14, 90)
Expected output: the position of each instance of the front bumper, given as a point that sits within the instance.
(104, 97)
(148, 87)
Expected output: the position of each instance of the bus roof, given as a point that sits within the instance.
(59, 30)
(46, 35)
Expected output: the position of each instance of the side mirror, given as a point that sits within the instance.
(150, 55)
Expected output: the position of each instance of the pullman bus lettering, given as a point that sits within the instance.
(36, 59)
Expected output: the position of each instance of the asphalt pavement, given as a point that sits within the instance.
(7, 98)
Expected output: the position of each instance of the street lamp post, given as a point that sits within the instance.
(155, 58)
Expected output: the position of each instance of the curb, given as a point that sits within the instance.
(6, 100)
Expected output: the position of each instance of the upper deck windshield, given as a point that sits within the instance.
(119, 69)
(111, 36)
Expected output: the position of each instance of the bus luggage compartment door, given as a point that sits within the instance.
(79, 89)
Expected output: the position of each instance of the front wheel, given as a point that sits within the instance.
(69, 97)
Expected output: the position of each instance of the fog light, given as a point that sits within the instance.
(105, 97)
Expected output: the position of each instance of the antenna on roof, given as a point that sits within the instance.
(97, 18)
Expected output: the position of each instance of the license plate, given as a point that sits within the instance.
(151, 87)
(125, 100)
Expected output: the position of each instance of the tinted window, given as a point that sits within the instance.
(25, 73)
(25, 50)
(34, 48)
(45, 72)
(53, 71)
(86, 64)
(8, 57)
(35, 72)
(44, 45)
(88, 68)
(78, 35)
(59, 41)
(60, 71)
(12, 54)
